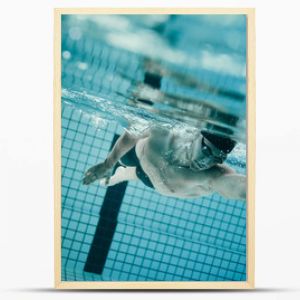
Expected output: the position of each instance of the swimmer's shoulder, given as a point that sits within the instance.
(219, 170)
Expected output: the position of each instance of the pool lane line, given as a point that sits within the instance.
(106, 226)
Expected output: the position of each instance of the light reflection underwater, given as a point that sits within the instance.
(176, 71)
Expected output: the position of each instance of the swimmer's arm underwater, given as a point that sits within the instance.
(231, 186)
(220, 179)
(103, 170)
(228, 183)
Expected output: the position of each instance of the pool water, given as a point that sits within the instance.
(167, 70)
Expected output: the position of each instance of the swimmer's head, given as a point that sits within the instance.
(209, 150)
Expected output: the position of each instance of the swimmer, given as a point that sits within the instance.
(174, 163)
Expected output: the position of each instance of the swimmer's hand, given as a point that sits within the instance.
(97, 172)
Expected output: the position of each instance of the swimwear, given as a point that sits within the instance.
(130, 159)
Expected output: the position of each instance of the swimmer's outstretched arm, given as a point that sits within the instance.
(103, 170)
(231, 186)
(220, 179)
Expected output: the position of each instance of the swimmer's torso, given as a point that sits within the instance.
(165, 157)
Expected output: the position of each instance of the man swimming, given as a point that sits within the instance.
(181, 164)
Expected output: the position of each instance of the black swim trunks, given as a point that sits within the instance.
(130, 159)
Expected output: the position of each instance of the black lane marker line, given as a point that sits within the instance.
(154, 80)
(106, 226)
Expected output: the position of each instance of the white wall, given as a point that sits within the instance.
(26, 240)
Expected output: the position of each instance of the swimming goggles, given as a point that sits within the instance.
(210, 156)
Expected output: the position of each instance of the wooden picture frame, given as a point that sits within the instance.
(250, 159)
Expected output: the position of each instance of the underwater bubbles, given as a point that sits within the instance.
(82, 65)
(75, 33)
(66, 55)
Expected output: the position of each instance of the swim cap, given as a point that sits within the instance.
(213, 151)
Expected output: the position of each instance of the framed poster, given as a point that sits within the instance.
(154, 143)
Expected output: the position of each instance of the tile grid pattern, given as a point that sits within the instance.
(157, 238)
